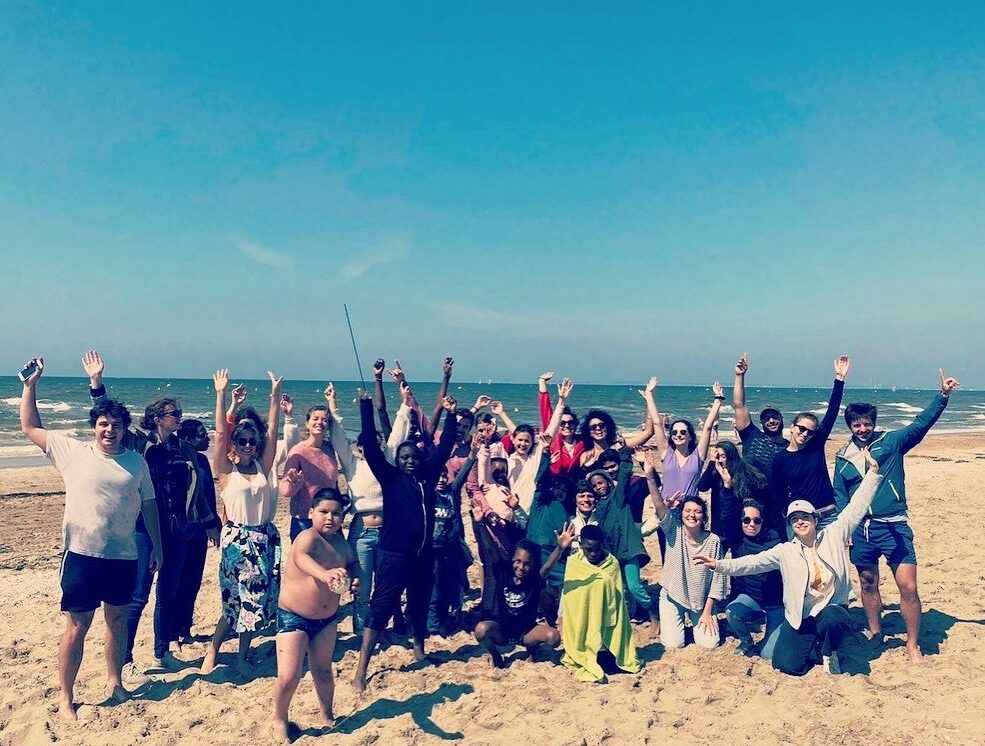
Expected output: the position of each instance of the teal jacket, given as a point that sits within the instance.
(888, 448)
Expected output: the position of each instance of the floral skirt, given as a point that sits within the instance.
(249, 575)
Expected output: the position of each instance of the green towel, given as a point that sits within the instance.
(595, 618)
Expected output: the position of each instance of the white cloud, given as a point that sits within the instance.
(258, 253)
(388, 251)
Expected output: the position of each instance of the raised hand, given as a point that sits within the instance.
(481, 402)
(649, 388)
(378, 367)
(287, 404)
(220, 379)
(330, 396)
(478, 440)
(723, 472)
(649, 465)
(545, 440)
(546, 376)
(32, 379)
(674, 501)
(870, 460)
(449, 404)
(717, 390)
(842, 364)
(397, 373)
(446, 366)
(293, 476)
(275, 383)
(94, 366)
(496, 407)
(565, 388)
(948, 384)
(239, 395)
(565, 537)
(743, 365)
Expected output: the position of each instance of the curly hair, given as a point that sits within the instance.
(610, 428)
(110, 408)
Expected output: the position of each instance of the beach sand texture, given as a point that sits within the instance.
(691, 696)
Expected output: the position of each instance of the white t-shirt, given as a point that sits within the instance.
(103, 494)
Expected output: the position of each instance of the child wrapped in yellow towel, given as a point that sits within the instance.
(595, 617)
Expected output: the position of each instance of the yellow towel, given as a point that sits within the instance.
(595, 617)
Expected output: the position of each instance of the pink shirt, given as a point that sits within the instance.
(318, 468)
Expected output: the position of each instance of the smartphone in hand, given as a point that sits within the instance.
(28, 370)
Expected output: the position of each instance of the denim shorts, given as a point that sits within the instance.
(288, 621)
(875, 539)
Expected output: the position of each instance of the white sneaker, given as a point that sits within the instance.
(133, 675)
(831, 663)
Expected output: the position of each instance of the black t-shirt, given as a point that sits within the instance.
(637, 492)
(446, 520)
(516, 605)
(759, 449)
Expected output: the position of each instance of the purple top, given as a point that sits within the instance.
(678, 478)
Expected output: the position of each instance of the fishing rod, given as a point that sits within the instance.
(355, 352)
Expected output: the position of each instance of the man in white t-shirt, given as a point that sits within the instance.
(106, 486)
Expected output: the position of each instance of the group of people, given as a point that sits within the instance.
(556, 511)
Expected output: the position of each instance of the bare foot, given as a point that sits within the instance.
(66, 711)
(328, 720)
(282, 731)
(419, 654)
(208, 663)
(359, 682)
(654, 627)
(496, 658)
(875, 639)
(118, 695)
(914, 653)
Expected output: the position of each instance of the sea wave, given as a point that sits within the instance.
(44, 405)
(903, 406)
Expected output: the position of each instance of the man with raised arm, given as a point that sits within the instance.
(759, 447)
(884, 532)
(106, 486)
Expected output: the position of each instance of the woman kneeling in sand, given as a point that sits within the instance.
(318, 570)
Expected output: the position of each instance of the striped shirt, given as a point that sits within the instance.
(689, 584)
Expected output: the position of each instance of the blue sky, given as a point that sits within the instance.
(608, 193)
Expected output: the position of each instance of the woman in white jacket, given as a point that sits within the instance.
(814, 565)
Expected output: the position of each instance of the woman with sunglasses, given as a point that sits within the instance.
(816, 586)
(755, 598)
(249, 570)
(683, 454)
(599, 434)
(566, 444)
(801, 471)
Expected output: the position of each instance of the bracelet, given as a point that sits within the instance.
(722, 398)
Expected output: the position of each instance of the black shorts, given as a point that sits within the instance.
(88, 582)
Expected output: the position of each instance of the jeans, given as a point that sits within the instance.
(190, 583)
(672, 616)
(446, 597)
(797, 650)
(363, 542)
(165, 606)
(634, 584)
(744, 613)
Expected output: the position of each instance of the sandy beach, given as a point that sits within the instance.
(692, 696)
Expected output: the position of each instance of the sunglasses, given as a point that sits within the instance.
(569, 423)
(754, 521)
(176, 413)
(597, 426)
(244, 442)
(807, 432)
(678, 432)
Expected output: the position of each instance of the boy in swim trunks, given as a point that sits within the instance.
(316, 572)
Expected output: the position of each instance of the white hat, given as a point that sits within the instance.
(801, 506)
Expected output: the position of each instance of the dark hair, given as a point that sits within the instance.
(747, 480)
(243, 427)
(484, 417)
(603, 475)
(188, 429)
(465, 414)
(700, 502)
(859, 409)
(591, 532)
(528, 429)
(404, 444)
(528, 546)
(750, 503)
(567, 411)
(315, 408)
(806, 416)
(110, 408)
(155, 409)
(563, 489)
(329, 493)
(692, 439)
(607, 456)
(582, 485)
(770, 410)
(610, 427)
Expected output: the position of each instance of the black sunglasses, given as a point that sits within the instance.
(755, 521)
(807, 432)
(569, 423)
(176, 413)
(597, 426)
(243, 442)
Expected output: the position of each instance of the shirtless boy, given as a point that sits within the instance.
(316, 572)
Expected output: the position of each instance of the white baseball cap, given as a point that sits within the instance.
(801, 506)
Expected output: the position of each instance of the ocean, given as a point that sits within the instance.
(64, 404)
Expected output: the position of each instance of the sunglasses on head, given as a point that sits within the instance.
(807, 432)
(244, 442)
(749, 519)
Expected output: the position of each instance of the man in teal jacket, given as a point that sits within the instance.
(884, 531)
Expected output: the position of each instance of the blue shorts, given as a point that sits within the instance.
(875, 539)
(288, 621)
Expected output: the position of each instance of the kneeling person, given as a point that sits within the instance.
(317, 571)
(516, 599)
(595, 617)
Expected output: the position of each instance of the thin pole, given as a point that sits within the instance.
(355, 352)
